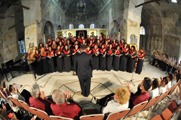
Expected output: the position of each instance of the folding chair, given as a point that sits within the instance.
(25, 106)
(59, 118)
(167, 114)
(39, 113)
(15, 101)
(92, 117)
(136, 109)
(118, 115)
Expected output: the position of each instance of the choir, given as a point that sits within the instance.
(166, 63)
(107, 54)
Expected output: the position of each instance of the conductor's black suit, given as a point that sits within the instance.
(83, 67)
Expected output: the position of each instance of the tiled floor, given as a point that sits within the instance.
(102, 83)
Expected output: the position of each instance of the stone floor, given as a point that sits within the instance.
(102, 83)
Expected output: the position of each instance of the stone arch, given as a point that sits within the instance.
(59, 27)
(103, 26)
(48, 30)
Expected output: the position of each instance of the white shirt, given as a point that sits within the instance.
(169, 85)
(163, 90)
(154, 93)
(113, 106)
(17, 96)
(174, 82)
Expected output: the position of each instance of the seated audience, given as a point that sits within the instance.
(163, 87)
(169, 78)
(155, 88)
(115, 102)
(38, 100)
(174, 80)
(24, 95)
(61, 108)
(142, 93)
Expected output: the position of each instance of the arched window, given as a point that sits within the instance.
(71, 26)
(142, 30)
(92, 26)
(81, 26)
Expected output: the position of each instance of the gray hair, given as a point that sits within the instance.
(35, 90)
(58, 97)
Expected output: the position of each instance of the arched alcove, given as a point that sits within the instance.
(48, 30)
(71, 26)
(114, 28)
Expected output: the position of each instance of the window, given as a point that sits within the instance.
(81, 26)
(142, 30)
(174, 1)
(71, 26)
(21, 46)
(92, 26)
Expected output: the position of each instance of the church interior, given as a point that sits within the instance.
(136, 54)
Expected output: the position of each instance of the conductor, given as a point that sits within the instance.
(83, 68)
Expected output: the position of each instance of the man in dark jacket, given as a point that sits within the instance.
(83, 68)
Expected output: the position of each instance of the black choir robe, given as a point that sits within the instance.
(102, 60)
(131, 62)
(140, 62)
(67, 60)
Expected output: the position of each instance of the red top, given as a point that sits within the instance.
(49, 43)
(106, 46)
(66, 52)
(42, 104)
(66, 110)
(121, 45)
(91, 45)
(51, 53)
(117, 41)
(95, 51)
(125, 49)
(132, 53)
(43, 54)
(141, 97)
(46, 49)
(75, 51)
(117, 52)
(103, 50)
(36, 55)
(109, 52)
(59, 52)
(89, 52)
(53, 47)
(142, 54)
(109, 40)
(114, 45)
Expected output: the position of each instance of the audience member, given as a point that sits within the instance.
(174, 80)
(163, 87)
(155, 88)
(142, 93)
(169, 78)
(61, 108)
(38, 100)
(115, 102)
(24, 95)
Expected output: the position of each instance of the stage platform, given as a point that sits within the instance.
(102, 83)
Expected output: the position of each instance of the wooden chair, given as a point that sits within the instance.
(59, 118)
(39, 113)
(118, 115)
(136, 109)
(15, 101)
(92, 117)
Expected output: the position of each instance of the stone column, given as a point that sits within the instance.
(132, 16)
(32, 22)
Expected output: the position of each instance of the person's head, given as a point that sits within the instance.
(58, 47)
(83, 41)
(66, 47)
(76, 46)
(165, 81)
(58, 97)
(155, 83)
(102, 46)
(50, 48)
(170, 77)
(98, 41)
(133, 48)
(142, 49)
(48, 39)
(115, 37)
(42, 49)
(54, 43)
(122, 41)
(125, 45)
(40, 45)
(82, 37)
(175, 75)
(95, 46)
(60, 43)
(37, 51)
(83, 48)
(3, 84)
(118, 47)
(68, 42)
(108, 36)
(91, 37)
(35, 90)
(11, 89)
(76, 42)
(57, 39)
(146, 84)
(52, 38)
(88, 48)
(87, 36)
(90, 41)
(78, 37)
(106, 42)
(46, 45)
(61, 37)
(122, 95)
